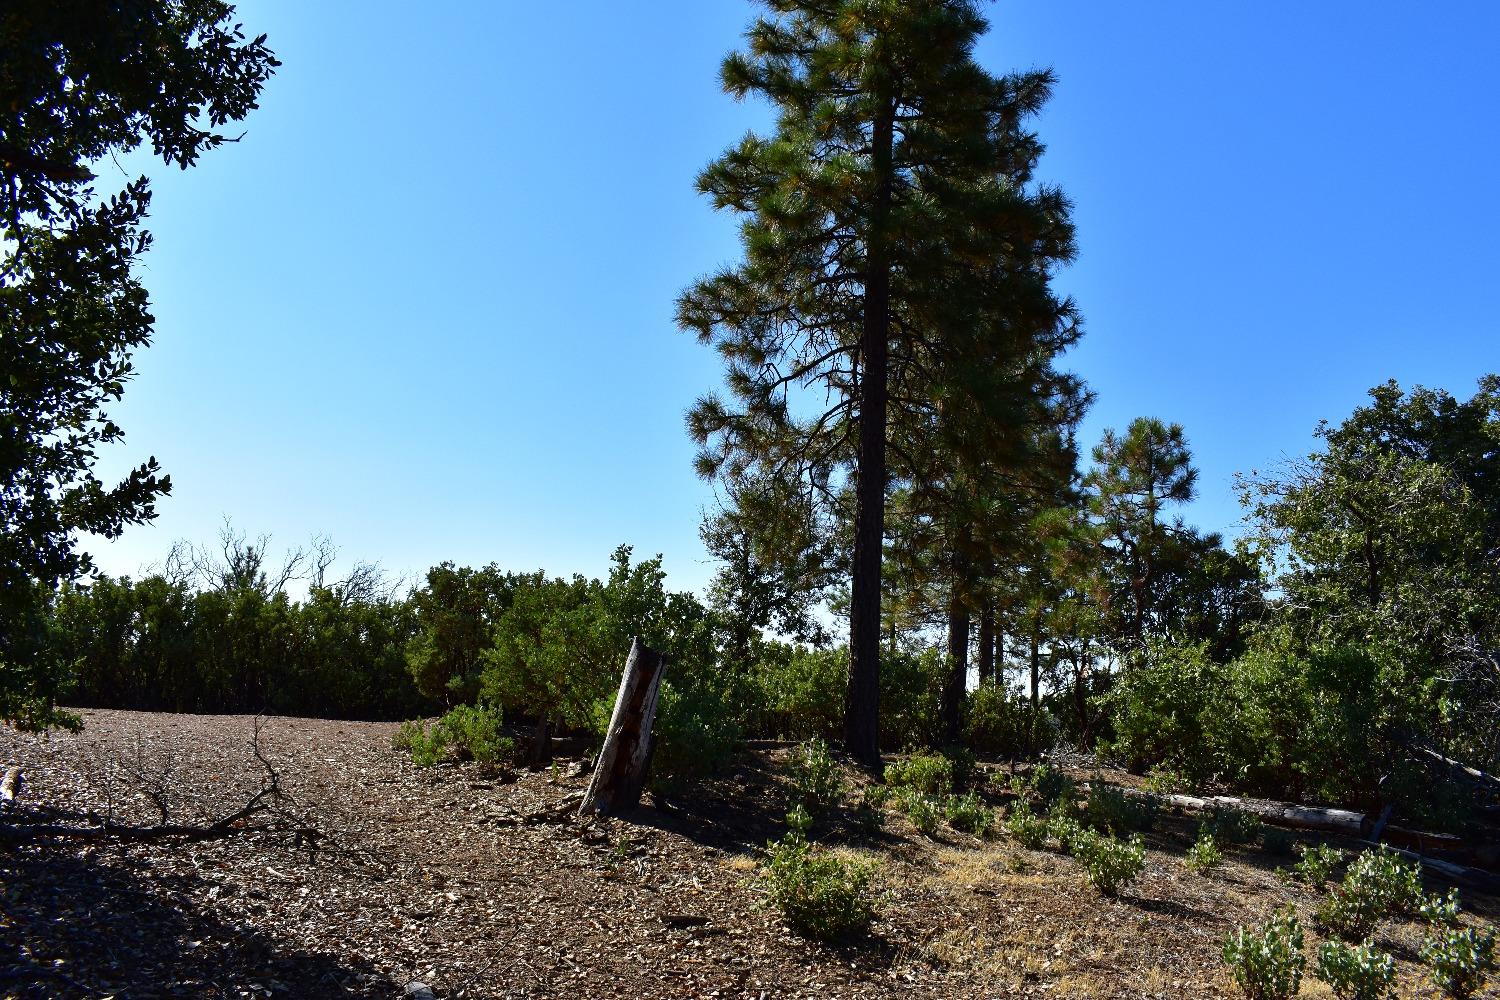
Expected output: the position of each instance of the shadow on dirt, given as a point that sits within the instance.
(79, 927)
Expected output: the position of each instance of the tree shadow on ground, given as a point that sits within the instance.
(94, 925)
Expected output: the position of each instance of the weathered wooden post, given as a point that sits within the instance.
(620, 773)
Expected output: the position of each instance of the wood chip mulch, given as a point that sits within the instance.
(485, 886)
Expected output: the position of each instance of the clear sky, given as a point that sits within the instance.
(425, 306)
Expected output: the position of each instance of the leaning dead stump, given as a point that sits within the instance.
(621, 772)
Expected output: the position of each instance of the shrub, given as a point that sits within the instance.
(1229, 825)
(1461, 960)
(467, 732)
(968, 813)
(1318, 864)
(1002, 723)
(1165, 781)
(930, 774)
(819, 894)
(1029, 829)
(1111, 864)
(1351, 911)
(1052, 786)
(799, 821)
(1205, 854)
(1267, 963)
(817, 782)
(1377, 885)
(1441, 910)
(1356, 972)
(921, 810)
(1111, 809)
(965, 765)
(1063, 828)
(876, 796)
(1397, 885)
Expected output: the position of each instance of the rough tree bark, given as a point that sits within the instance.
(958, 668)
(986, 643)
(620, 773)
(862, 698)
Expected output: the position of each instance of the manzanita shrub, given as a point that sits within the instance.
(1267, 962)
(1356, 972)
(1461, 959)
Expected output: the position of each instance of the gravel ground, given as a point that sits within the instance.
(375, 873)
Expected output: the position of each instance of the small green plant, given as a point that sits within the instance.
(1051, 786)
(1110, 864)
(799, 821)
(1395, 883)
(1165, 781)
(876, 796)
(817, 783)
(1441, 910)
(1267, 963)
(921, 810)
(818, 893)
(1351, 910)
(1355, 972)
(1110, 809)
(1029, 829)
(1461, 960)
(1229, 825)
(929, 773)
(1205, 855)
(1318, 864)
(1064, 829)
(968, 813)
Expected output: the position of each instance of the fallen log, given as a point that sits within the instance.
(10, 785)
(1315, 818)
(620, 773)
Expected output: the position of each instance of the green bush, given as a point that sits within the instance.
(1002, 723)
(1029, 829)
(920, 809)
(1318, 864)
(465, 733)
(1229, 825)
(930, 774)
(1441, 910)
(1051, 786)
(1376, 885)
(1110, 809)
(1205, 854)
(819, 894)
(1065, 829)
(1356, 972)
(1461, 960)
(1110, 864)
(1267, 964)
(968, 813)
(817, 782)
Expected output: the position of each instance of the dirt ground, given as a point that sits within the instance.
(378, 873)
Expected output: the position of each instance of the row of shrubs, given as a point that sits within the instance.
(1268, 962)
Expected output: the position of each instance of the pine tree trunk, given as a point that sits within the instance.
(1036, 660)
(862, 700)
(957, 676)
(620, 773)
(987, 643)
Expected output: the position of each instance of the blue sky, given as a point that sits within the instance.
(425, 306)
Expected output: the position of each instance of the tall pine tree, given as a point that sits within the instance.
(889, 215)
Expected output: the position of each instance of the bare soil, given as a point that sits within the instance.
(485, 886)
